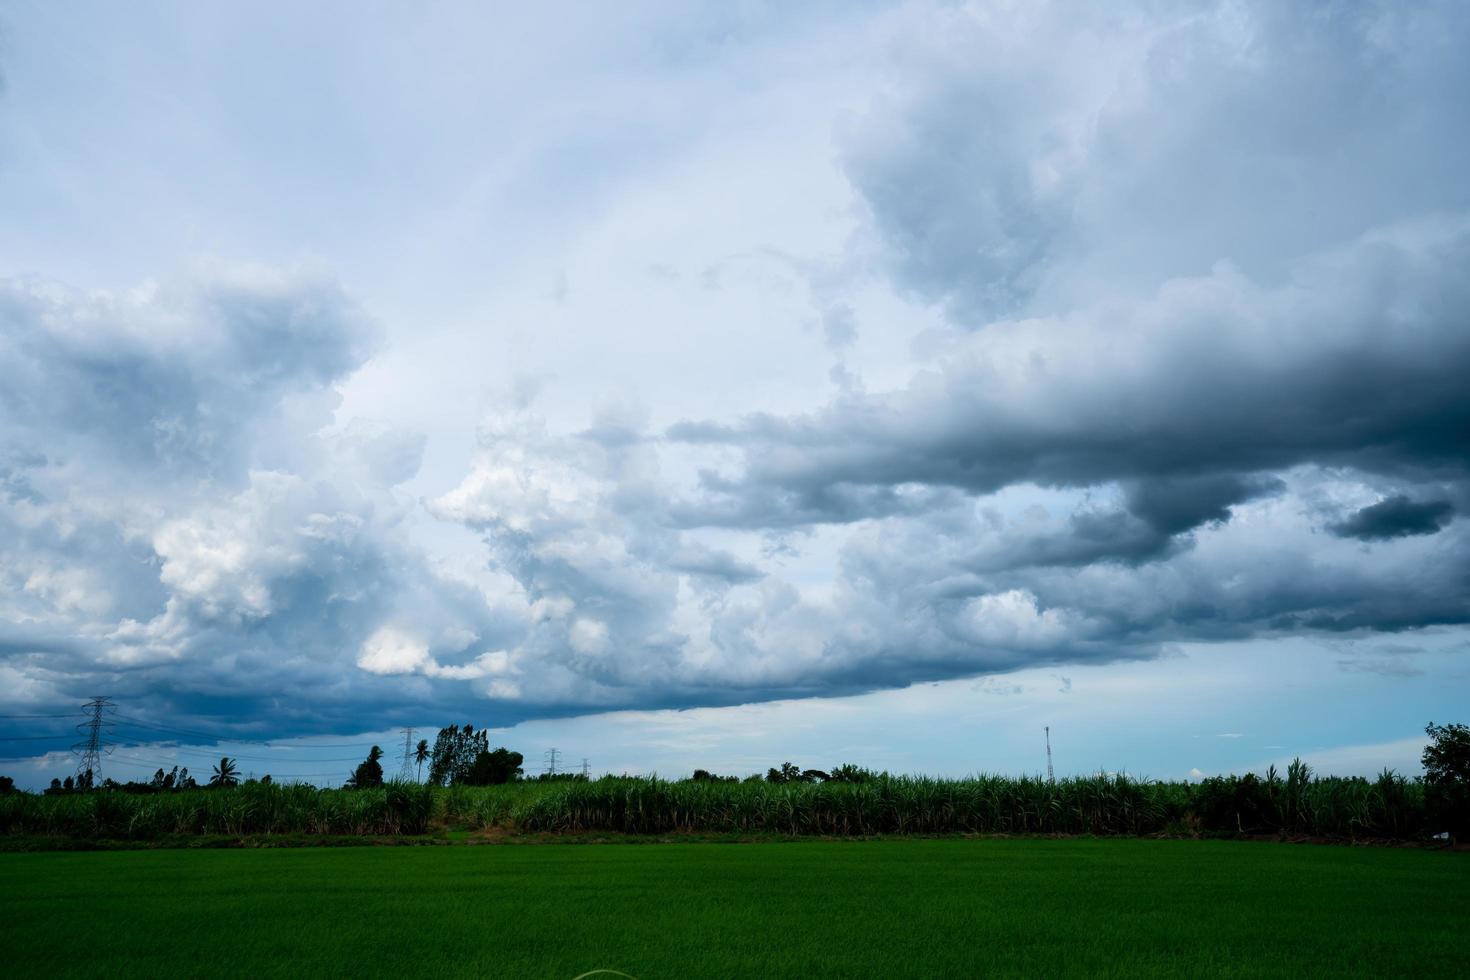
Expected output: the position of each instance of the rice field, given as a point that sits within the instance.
(895, 908)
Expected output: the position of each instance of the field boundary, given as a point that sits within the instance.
(491, 837)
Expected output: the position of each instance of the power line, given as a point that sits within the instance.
(206, 753)
(198, 751)
(232, 738)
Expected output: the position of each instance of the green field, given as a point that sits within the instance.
(1124, 908)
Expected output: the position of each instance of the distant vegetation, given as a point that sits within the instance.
(1296, 803)
(474, 787)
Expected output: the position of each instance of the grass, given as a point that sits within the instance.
(1120, 907)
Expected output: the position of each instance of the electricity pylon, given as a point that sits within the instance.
(93, 746)
(405, 771)
(1050, 776)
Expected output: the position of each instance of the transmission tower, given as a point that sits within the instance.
(94, 746)
(586, 770)
(1050, 776)
(550, 758)
(405, 771)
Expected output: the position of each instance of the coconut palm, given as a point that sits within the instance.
(225, 774)
(421, 755)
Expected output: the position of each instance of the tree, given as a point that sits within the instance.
(705, 776)
(1447, 756)
(792, 773)
(225, 774)
(1446, 762)
(370, 772)
(455, 752)
(494, 768)
(421, 755)
(7, 785)
(848, 773)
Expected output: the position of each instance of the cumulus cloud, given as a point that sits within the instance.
(183, 525)
(1197, 373)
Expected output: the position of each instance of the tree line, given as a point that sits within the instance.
(461, 756)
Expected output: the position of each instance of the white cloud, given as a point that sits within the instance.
(391, 651)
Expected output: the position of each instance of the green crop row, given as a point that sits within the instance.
(1298, 803)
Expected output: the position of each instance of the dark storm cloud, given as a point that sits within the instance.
(1396, 517)
(1180, 504)
(1189, 398)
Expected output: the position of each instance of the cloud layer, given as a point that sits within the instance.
(1196, 372)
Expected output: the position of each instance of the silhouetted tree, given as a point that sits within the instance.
(369, 773)
(705, 776)
(225, 774)
(455, 751)
(494, 768)
(1446, 762)
(421, 755)
(1446, 758)
(848, 773)
(788, 773)
(7, 785)
(165, 780)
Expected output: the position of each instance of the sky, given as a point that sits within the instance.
(712, 385)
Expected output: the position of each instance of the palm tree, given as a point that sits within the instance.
(421, 755)
(225, 774)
